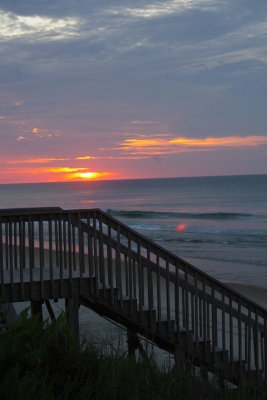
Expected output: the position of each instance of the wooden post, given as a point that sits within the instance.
(179, 362)
(132, 341)
(36, 309)
(72, 312)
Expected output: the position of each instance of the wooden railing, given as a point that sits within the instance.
(51, 246)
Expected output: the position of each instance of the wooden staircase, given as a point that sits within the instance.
(88, 255)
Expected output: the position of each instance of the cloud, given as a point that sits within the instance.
(36, 160)
(162, 9)
(36, 27)
(160, 146)
(54, 174)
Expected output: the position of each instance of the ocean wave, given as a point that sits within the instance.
(164, 214)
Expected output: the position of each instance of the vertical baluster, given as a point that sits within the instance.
(95, 257)
(21, 259)
(223, 323)
(118, 265)
(65, 243)
(31, 251)
(15, 246)
(168, 292)
(130, 272)
(70, 254)
(208, 319)
(6, 244)
(80, 241)
(192, 304)
(41, 254)
(73, 248)
(196, 308)
(101, 256)
(213, 323)
(134, 278)
(239, 335)
(126, 271)
(204, 323)
(141, 280)
(256, 342)
(249, 338)
(158, 291)
(33, 244)
(24, 243)
(56, 241)
(1, 260)
(231, 327)
(177, 300)
(90, 253)
(110, 265)
(183, 307)
(60, 254)
(11, 272)
(150, 288)
(265, 350)
(186, 306)
(51, 267)
(261, 334)
(246, 343)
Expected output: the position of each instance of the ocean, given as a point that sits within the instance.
(219, 224)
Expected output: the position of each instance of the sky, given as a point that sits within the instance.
(109, 89)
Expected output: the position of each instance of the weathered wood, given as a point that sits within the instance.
(37, 309)
(72, 311)
(169, 301)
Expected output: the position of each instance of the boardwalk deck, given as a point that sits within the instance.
(90, 258)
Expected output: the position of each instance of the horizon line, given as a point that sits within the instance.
(135, 179)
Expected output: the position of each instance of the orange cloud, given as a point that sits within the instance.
(36, 160)
(157, 146)
(109, 157)
(53, 174)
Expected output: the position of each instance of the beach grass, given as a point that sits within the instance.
(41, 360)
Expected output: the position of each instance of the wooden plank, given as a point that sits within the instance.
(195, 305)
(81, 259)
(96, 258)
(31, 249)
(51, 266)
(158, 292)
(140, 282)
(15, 247)
(90, 253)
(264, 355)
(130, 272)
(6, 244)
(70, 255)
(41, 255)
(249, 340)
(239, 336)
(60, 253)
(110, 266)
(65, 263)
(101, 257)
(22, 265)
(256, 343)
(11, 272)
(1, 260)
(168, 293)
